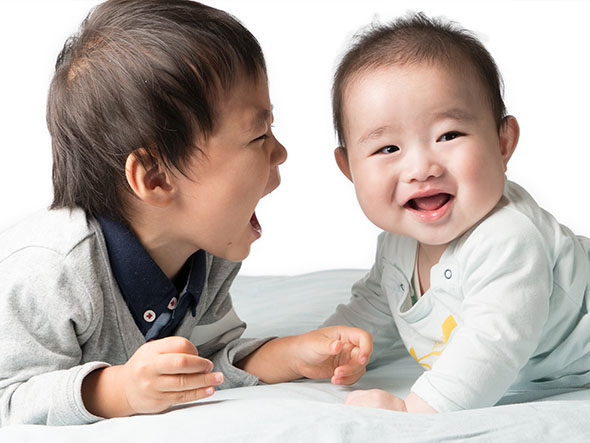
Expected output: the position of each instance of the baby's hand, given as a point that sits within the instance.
(165, 372)
(337, 352)
(376, 398)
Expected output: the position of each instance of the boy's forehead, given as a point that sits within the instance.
(246, 107)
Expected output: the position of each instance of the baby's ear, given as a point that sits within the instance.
(509, 134)
(342, 160)
(149, 181)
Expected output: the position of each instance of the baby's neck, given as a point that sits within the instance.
(428, 256)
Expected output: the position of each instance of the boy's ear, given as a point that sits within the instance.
(148, 180)
(509, 134)
(342, 160)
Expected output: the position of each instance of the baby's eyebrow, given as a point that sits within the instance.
(375, 133)
(453, 114)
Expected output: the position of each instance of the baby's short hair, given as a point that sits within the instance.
(416, 39)
(139, 74)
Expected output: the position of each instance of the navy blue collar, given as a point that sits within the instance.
(144, 286)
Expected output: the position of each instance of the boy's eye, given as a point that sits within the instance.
(389, 149)
(448, 136)
(262, 137)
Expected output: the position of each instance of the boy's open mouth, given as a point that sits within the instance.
(429, 203)
(254, 223)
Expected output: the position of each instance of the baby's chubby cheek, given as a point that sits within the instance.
(375, 209)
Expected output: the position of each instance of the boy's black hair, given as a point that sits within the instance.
(139, 74)
(415, 39)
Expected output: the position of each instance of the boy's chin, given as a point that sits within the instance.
(237, 255)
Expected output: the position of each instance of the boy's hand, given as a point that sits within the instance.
(165, 372)
(160, 374)
(337, 352)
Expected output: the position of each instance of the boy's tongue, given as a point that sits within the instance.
(431, 203)
(255, 224)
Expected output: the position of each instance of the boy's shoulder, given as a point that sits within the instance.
(56, 230)
(54, 261)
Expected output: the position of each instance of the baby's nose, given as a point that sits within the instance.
(420, 166)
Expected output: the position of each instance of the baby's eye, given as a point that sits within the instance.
(448, 136)
(389, 149)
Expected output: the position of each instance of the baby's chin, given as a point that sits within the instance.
(430, 236)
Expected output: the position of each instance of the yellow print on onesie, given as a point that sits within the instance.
(447, 328)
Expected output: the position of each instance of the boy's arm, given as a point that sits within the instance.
(43, 311)
(44, 323)
(339, 353)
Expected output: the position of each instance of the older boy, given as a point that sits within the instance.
(115, 302)
(487, 291)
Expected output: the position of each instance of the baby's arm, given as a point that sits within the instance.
(368, 309)
(507, 284)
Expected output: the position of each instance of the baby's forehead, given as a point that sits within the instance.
(463, 73)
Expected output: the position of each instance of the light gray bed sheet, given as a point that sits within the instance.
(310, 411)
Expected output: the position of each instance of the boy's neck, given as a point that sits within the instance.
(428, 256)
(169, 254)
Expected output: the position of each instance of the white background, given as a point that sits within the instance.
(312, 221)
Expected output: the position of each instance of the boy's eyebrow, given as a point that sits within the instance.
(260, 119)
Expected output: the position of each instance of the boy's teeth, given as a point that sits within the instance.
(430, 203)
(254, 223)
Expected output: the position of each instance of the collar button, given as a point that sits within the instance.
(149, 316)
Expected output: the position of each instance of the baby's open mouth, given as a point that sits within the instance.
(430, 203)
(254, 223)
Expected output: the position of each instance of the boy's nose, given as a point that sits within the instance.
(277, 157)
(279, 154)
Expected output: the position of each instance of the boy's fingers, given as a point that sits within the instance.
(182, 364)
(192, 395)
(348, 374)
(348, 379)
(335, 347)
(357, 357)
(189, 382)
(364, 344)
(355, 336)
(174, 345)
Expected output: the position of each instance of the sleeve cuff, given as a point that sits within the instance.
(73, 411)
(427, 392)
(235, 351)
